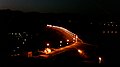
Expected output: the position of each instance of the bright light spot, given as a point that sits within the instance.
(60, 41)
(18, 38)
(60, 45)
(67, 43)
(47, 50)
(100, 59)
(19, 33)
(49, 25)
(80, 51)
(67, 40)
(48, 44)
(116, 25)
(24, 39)
(76, 36)
(15, 33)
(104, 23)
(110, 22)
(23, 42)
(53, 26)
(73, 41)
(73, 38)
(18, 47)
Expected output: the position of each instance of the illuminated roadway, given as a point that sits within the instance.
(68, 35)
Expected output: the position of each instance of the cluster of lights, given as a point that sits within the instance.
(20, 38)
(110, 24)
(67, 31)
(110, 32)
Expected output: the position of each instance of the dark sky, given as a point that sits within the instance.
(61, 5)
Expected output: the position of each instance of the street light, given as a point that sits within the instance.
(60, 41)
(60, 45)
(48, 44)
(49, 25)
(80, 51)
(100, 59)
(76, 38)
(67, 40)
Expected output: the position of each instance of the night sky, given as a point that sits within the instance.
(59, 6)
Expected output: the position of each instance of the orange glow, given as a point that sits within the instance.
(47, 50)
(80, 51)
(30, 54)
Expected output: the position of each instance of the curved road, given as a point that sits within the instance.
(69, 35)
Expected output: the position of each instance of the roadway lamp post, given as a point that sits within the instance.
(67, 41)
(60, 43)
(76, 37)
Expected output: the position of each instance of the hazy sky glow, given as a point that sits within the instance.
(56, 5)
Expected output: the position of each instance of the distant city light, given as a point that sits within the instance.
(104, 23)
(111, 31)
(18, 54)
(60, 45)
(91, 23)
(18, 38)
(15, 33)
(26, 34)
(67, 43)
(107, 31)
(103, 31)
(12, 33)
(18, 47)
(14, 50)
(116, 25)
(115, 31)
(110, 22)
(24, 39)
(112, 25)
(19, 33)
(69, 21)
(73, 41)
(23, 42)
